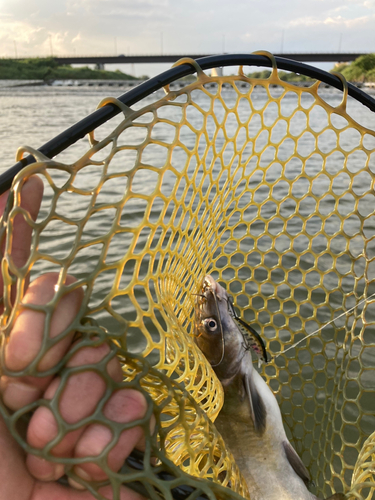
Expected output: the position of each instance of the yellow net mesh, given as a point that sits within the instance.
(270, 188)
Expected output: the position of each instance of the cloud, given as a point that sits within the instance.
(335, 21)
(340, 8)
(108, 8)
(77, 38)
(85, 26)
(348, 23)
(20, 32)
(305, 21)
(199, 26)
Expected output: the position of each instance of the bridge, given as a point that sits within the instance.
(171, 58)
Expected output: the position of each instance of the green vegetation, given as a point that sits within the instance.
(360, 70)
(48, 69)
(283, 75)
(294, 77)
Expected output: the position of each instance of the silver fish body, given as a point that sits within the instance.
(250, 421)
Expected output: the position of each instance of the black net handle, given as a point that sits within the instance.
(100, 116)
(135, 462)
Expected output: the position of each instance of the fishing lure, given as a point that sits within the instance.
(252, 338)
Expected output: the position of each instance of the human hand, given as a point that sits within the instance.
(28, 476)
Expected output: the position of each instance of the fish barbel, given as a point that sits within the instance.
(250, 421)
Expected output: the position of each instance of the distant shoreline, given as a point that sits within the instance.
(48, 70)
(360, 71)
(8, 83)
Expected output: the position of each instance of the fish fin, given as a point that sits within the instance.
(296, 463)
(257, 408)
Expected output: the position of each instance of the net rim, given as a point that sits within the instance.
(105, 113)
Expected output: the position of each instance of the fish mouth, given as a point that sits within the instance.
(210, 292)
(206, 298)
(209, 285)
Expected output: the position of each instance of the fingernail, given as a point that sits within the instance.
(59, 471)
(82, 474)
(75, 485)
(55, 473)
(16, 394)
(43, 469)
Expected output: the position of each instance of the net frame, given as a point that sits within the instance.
(261, 62)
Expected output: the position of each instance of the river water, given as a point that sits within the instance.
(33, 115)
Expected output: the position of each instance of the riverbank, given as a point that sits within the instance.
(69, 83)
(362, 70)
(47, 70)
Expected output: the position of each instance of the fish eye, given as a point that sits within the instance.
(211, 324)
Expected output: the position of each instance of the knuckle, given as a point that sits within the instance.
(126, 405)
(89, 355)
(42, 428)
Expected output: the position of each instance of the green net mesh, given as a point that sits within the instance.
(269, 187)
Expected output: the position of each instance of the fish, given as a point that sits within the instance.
(250, 420)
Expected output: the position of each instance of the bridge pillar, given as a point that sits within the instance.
(99, 66)
(217, 72)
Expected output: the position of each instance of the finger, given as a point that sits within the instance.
(16, 393)
(15, 482)
(84, 390)
(27, 335)
(79, 399)
(44, 470)
(26, 338)
(125, 405)
(49, 491)
(31, 197)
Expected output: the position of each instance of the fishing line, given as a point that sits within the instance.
(321, 328)
(219, 324)
(221, 330)
(197, 295)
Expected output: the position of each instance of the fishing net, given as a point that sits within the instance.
(268, 186)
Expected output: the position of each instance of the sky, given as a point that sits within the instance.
(31, 28)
